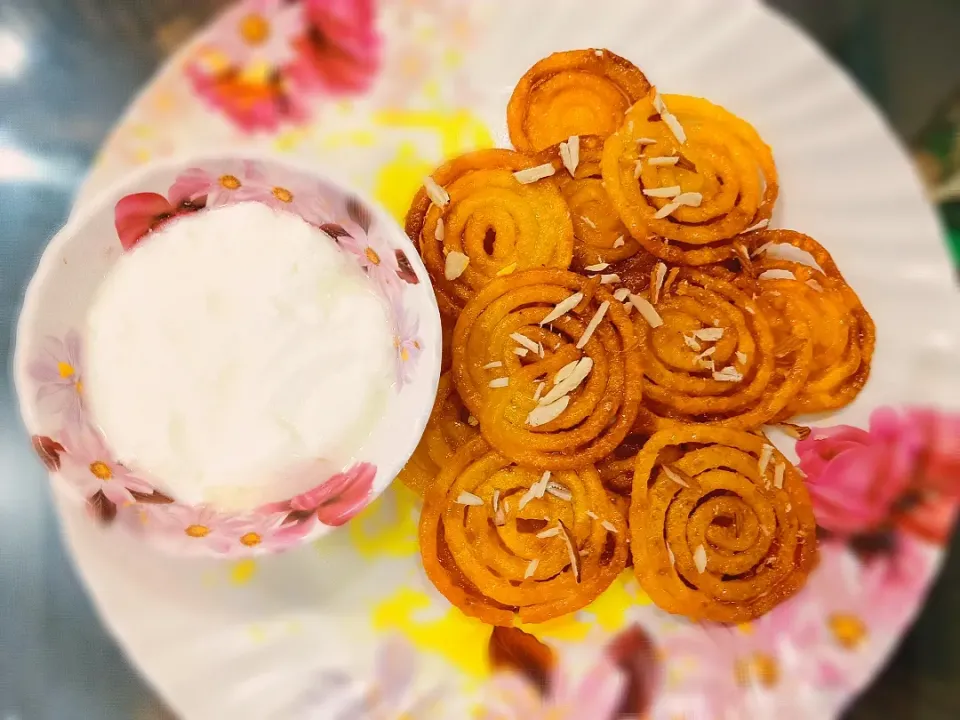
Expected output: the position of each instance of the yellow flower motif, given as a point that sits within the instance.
(283, 195)
(848, 630)
(65, 369)
(197, 531)
(372, 255)
(101, 470)
(255, 29)
(758, 667)
(230, 182)
(251, 539)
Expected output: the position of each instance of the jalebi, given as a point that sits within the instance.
(503, 542)
(687, 177)
(579, 92)
(721, 524)
(494, 223)
(547, 361)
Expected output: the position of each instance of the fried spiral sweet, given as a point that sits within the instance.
(724, 174)
(578, 92)
(447, 429)
(503, 388)
(843, 334)
(502, 541)
(599, 234)
(715, 360)
(713, 536)
(498, 223)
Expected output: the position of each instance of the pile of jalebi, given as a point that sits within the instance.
(620, 327)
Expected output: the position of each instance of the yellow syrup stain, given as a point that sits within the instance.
(389, 526)
(460, 640)
(457, 131)
(242, 572)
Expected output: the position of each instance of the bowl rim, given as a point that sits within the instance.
(82, 214)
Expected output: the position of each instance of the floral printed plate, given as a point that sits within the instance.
(349, 627)
(50, 368)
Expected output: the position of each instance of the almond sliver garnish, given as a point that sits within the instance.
(700, 559)
(692, 343)
(536, 490)
(539, 391)
(619, 242)
(609, 526)
(569, 383)
(665, 160)
(548, 533)
(675, 476)
(766, 452)
(455, 265)
(621, 294)
(647, 310)
(531, 568)
(439, 233)
(599, 267)
(709, 334)
(593, 324)
(524, 341)
(663, 192)
(559, 492)
(542, 414)
(438, 196)
(691, 199)
(492, 365)
(759, 226)
(660, 273)
(531, 175)
(570, 154)
(666, 210)
(565, 372)
(499, 382)
(778, 475)
(572, 551)
(467, 498)
(562, 308)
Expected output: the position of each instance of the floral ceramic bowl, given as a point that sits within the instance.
(49, 366)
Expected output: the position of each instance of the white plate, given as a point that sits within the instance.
(250, 640)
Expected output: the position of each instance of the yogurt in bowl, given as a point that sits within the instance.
(227, 355)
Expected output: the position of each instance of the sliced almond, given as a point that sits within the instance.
(666, 210)
(455, 265)
(599, 267)
(542, 414)
(646, 310)
(709, 334)
(659, 275)
(500, 517)
(570, 154)
(799, 472)
(753, 228)
(690, 199)
(692, 343)
(439, 233)
(468, 498)
(609, 279)
(549, 533)
(665, 160)
(562, 308)
(778, 472)
(673, 558)
(438, 196)
(592, 514)
(646, 141)
(539, 391)
(565, 372)
(522, 352)
(496, 500)
(762, 249)
(742, 357)
(766, 452)
(728, 374)
(706, 353)
(570, 382)
(531, 568)
(492, 365)
(593, 324)
(572, 550)
(664, 192)
(531, 175)
(674, 475)
(536, 490)
(609, 526)
(621, 294)
(472, 421)
(501, 382)
(637, 169)
(700, 558)
(800, 432)
(588, 222)
(619, 242)
(559, 492)
(524, 341)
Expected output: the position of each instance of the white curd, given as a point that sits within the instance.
(232, 345)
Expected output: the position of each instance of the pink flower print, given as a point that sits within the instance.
(855, 476)
(375, 257)
(58, 373)
(186, 525)
(340, 51)
(408, 345)
(224, 185)
(596, 696)
(255, 98)
(261, 531)
(295, 197)
(334, 501)
(140, 213)
(862, 600)
(88, 465)
(260, 32)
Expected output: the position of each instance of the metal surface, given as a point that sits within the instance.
(67, 69)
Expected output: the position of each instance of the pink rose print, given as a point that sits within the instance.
(221, 187)
(88, 465)
(341, 497)
(58, 374)
(340, 51)
(856, 476)
(140, 213)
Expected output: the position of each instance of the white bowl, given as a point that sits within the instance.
(48, 363)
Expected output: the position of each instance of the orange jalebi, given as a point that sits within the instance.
(843, 333)
(721, 524)
(579, 92)
(714, 357)
(503, 542)
(600, 236)
(524, 411)
(448, 428)
(500, 224)
(718, 182)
